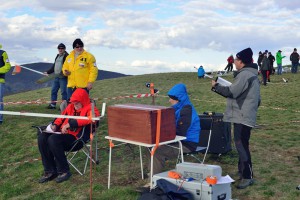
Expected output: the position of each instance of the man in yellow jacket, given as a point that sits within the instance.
(81, 69)
(4, 68)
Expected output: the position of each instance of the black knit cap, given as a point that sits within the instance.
(61, 45)
(245, 56)
(77, 42)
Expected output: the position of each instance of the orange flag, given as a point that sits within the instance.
(16, 70)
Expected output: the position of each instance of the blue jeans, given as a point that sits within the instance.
(71, 90)
(295, 67)
(59, 83)
(279, 69)
(2, 86)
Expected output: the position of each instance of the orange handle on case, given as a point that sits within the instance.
(212, 180)
(173, 174)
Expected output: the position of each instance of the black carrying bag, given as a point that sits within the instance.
(166, 191)
(220, 141)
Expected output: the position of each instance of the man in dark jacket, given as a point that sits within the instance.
(259, 60)
(60, 81)
(243, 98)
(272, 60)
(265, 67)
(294, 58)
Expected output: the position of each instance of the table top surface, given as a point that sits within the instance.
(176, 139)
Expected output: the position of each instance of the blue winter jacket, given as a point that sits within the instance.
(180, 92)
(201, 71)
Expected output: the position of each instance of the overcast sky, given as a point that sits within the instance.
(147, 36)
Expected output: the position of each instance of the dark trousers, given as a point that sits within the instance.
(264, 76)
(164, 153)
(52, 148)
(229, 67)
(241, 139)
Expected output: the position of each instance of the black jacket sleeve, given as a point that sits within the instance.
(184, 121)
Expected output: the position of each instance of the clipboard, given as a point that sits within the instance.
(49, 130)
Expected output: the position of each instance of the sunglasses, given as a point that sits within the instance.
(78, 47)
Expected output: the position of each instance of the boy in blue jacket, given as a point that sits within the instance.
(187, 125)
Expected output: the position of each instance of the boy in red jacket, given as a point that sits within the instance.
(53, 146)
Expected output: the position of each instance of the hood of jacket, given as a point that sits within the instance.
(80, 95)
(179, 91)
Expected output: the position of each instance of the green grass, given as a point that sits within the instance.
(274, 145)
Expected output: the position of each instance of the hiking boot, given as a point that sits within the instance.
(245, 183)
(51, 106)
(143, 189)
(47, 177)
(63, 177)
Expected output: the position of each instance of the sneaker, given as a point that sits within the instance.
(47, 177)
(50, 106)
(245, 183)
(63, 177)
(143, 189)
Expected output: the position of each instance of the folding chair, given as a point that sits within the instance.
(82, 144)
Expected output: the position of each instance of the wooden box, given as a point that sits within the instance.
(137, 122)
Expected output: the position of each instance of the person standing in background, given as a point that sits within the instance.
(60, 81)
(4, 68)
(243, 99)
(259, 60)
(294, 58)
(279, 58)
(265, 67)
(229, 66)
(81, 69)
(272, 60)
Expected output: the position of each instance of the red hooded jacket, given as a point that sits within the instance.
(76, 125)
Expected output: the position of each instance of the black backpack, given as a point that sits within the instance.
(166, 191)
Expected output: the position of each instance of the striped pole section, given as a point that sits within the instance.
(55, 116)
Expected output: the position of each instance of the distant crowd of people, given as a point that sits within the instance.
(266, 60)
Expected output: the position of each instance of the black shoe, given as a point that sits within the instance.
(47, 177)
(63, 177)
(50, 106)
(245, 183)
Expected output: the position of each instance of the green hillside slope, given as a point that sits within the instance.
(274, 144)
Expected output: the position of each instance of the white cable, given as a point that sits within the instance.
(208, 142)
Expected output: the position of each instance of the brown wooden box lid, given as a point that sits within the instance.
(137, 122)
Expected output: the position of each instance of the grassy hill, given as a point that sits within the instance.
(26, 80)
(274, 144)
